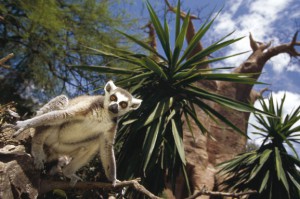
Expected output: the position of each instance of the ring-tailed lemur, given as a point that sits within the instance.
(79, 128)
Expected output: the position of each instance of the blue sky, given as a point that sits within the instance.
(267, 20)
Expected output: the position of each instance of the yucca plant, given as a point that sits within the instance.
(270, 170)
(149, 140)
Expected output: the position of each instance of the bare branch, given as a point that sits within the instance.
(265, 46)
(254, 95)
(151, 32)
(261, 92)
(152, 40)
(5, 59)
(293, 51)
(253, 43)
(294, 40)
(47, 185)
(284, 48)
(169, 5)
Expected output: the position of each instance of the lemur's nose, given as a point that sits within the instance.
(113, 108)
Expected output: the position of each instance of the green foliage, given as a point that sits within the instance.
(270, 170)
(150, 139)
(47, 38)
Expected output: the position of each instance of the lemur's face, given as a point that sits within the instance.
(119, 101)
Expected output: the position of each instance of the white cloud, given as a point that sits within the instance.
(259, 17)
(294, 67)
(269, 9)
(292, 101)
(235, 4)
(280, 62)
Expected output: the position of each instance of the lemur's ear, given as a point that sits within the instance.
(135, 103)
(110, 86)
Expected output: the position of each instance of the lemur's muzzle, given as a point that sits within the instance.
(113, 108)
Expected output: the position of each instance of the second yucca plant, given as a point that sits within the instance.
(270, 170)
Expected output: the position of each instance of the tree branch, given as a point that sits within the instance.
(283, 48)
(215, 193)
(262, 52)
(254, 95)
(152, 40)
(48, 185)
(5, 59)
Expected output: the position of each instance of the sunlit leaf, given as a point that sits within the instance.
(264, 182)
(107, 70)
(161, 108)
(206, 52)
(152, 65)
(178, 140)
(163, 38)
(142, 44)
(180, 39)
(194, 42)
(280, 171)
(153, 133)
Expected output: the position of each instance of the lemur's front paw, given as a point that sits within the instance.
(20, 127)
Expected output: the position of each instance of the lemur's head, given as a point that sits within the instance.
(119, 101)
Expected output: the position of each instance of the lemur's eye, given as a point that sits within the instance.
(113, 98)
(123, 104)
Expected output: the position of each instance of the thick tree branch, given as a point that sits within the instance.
(262, 52)
(283, 48)
(216, 193)
(48, 185)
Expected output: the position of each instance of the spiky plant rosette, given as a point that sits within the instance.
(270, 170)
(150, 139)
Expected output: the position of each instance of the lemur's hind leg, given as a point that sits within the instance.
(79, 158)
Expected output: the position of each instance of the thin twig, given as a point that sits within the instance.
(48, 185)
(5, 59)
